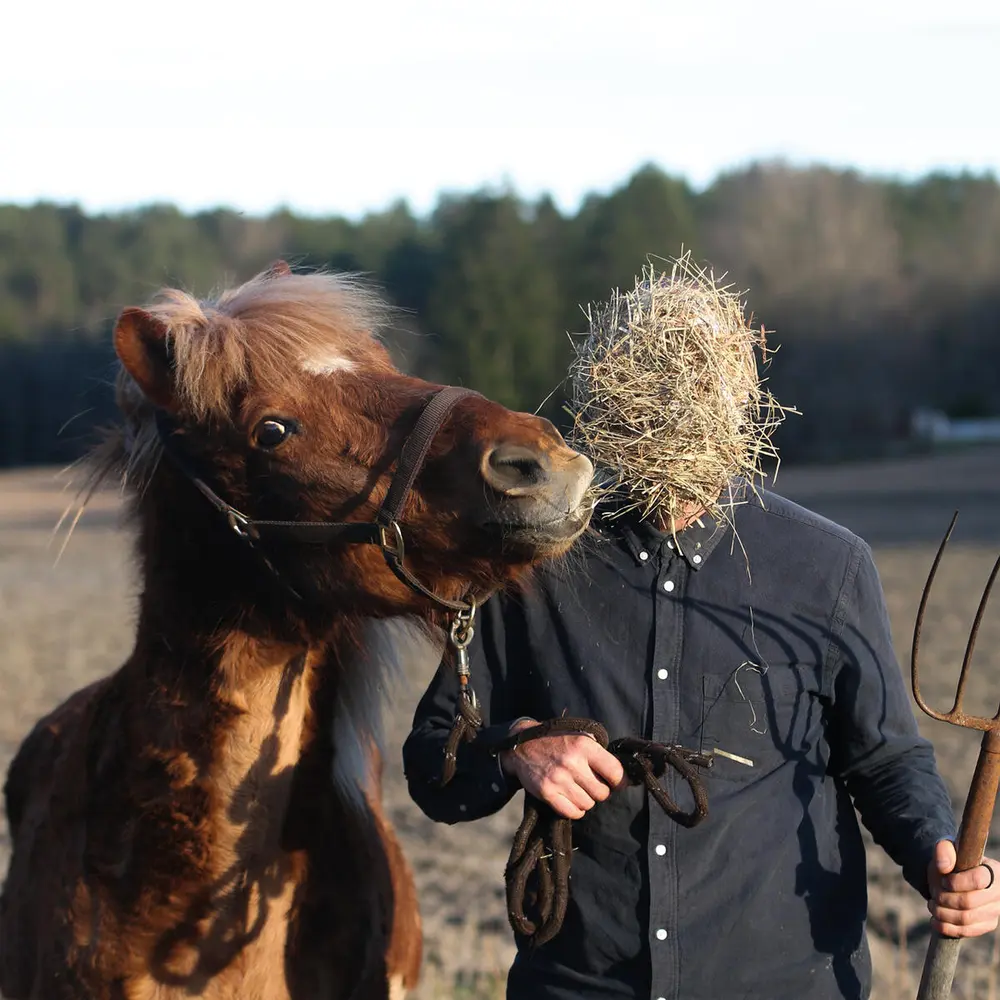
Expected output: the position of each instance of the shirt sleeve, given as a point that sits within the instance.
(479, 787)
(889, 769)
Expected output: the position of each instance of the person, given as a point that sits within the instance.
(704, 612)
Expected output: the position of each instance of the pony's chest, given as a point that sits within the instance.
(258, 971)
(237, 949)
(228, 937)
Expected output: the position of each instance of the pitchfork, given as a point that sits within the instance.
(942, 952)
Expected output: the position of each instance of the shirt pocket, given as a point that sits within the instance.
(764, 715)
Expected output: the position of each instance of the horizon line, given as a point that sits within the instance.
(505, 187)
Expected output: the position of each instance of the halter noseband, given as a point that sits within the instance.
(384, 531)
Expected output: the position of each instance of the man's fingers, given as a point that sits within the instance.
(964, 900)
(564, 807)
(967, 881)
(964, 916)
(578, 795)
(964, 930)
(605, 765)
(588, 780)
(561, 783)
(567, 802)
(580, 798)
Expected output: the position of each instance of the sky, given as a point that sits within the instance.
(343, 108)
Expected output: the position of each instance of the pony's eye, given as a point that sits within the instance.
(271, 432)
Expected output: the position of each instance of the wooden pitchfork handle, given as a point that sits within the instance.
(942, 952)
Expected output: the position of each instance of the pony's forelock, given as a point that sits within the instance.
(268, 329)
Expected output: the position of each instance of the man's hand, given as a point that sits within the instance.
(964, 904)
(569, 772)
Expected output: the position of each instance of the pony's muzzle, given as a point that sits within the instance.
(538, 494)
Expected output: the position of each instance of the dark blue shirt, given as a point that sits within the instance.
(771, 644)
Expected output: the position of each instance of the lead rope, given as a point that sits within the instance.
(543, 843)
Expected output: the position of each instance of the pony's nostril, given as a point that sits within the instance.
(514, 468)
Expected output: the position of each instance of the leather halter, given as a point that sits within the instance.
(384, 531)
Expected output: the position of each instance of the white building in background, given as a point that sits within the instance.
(935, 427)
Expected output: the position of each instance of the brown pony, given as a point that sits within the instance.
(206, 820)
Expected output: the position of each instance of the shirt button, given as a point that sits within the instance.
(668, 585)
(463, 808)
(660, 850)
(495, 787)
(661, 935)
(696, 559)
(644, 555)
(662, 674)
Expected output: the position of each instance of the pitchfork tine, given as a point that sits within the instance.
(919, 625)
(975, 627)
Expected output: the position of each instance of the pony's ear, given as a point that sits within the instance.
(141, 345)
(279, 269)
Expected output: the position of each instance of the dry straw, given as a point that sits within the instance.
(666, 395)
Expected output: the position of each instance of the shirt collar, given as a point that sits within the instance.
(694, 544)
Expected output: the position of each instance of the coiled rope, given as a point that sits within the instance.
(543, 844)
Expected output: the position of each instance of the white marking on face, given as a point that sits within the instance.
(327, 364)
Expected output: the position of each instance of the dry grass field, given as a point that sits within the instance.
(64, 623)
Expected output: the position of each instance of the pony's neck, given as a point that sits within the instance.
(233, 714)
(200, 580)
(263, 691)
(221, 726)
(276, 682)
(248, 680)
(238, 702)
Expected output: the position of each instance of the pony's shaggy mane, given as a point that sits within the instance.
(267, 330)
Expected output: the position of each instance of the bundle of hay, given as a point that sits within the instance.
(666, 396)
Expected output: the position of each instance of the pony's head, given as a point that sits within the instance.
(280, 395)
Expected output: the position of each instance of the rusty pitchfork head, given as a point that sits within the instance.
(942, 952)
(956, 716)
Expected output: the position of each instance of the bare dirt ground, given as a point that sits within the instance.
(64, 623)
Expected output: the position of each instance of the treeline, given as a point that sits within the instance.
(884, 296)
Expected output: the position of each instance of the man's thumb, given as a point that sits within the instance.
(945, 856)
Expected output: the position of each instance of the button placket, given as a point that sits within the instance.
(661, 846)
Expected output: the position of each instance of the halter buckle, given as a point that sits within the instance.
(392, 545)
(240, 524)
